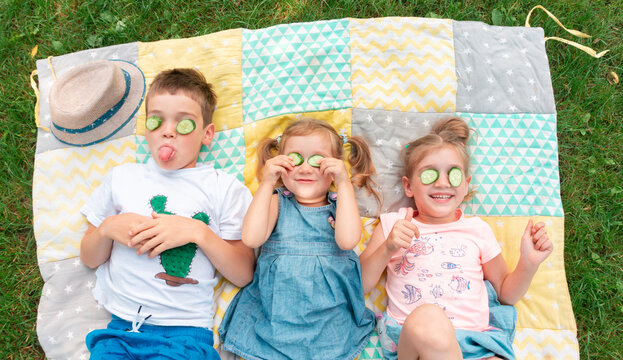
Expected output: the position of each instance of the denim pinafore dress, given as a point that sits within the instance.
(306, 298)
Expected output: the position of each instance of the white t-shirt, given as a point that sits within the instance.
(127, 281)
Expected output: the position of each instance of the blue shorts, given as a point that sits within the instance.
(474, 344)
(152, 342)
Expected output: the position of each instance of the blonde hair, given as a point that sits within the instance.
(452, 132)
(360, 158)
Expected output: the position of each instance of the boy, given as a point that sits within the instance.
(156, 232)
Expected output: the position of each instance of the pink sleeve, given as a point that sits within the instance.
(490, 247)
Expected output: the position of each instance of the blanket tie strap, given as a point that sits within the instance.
(33, 83)
(577, 33)
(34, 86)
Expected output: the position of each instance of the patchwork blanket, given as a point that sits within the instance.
(386, 79)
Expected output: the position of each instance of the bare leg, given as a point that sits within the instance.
(427, 333)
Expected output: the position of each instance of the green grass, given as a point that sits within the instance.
(590, 127)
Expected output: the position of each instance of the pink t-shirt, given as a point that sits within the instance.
(443, 267)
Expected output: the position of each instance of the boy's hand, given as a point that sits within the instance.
(164, 232)
(402, 233)
(335, 168)
(117, 227)
(276, 167)
(535, 244)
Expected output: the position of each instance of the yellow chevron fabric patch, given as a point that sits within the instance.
(62, 182)
(224, 292)
(216, 55)
(376, 300)
(404, 64)
(531, 344)
(547, 304)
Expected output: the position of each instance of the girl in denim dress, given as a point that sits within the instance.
(306, 298)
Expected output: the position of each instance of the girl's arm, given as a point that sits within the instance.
(374, 259)
(347, 220)
(261, 216)
(379, 251)
(230, 257)
(512, 286)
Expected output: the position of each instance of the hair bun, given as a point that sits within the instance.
(453, 129)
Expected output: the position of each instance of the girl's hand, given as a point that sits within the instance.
(335, 168)
(164, 232)
(276, 167)
(402, 233)
(535, 244)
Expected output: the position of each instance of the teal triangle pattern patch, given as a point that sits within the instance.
(373, 349)
(226, 152)
(295, 68)
(514, 165)
(142, 149)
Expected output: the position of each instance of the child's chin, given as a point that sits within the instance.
(171, 165)
(309, 197)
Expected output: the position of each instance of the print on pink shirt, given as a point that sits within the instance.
(418, 248)
(459, 284)
(412, 294)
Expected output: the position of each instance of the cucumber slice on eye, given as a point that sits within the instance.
(185, 126)
(313, 160)
(152, 123)
(455, 176)
(298, 158)
(429, 176)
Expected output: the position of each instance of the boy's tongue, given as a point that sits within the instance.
(166, 153)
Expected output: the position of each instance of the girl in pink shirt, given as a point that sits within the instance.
(437, 261)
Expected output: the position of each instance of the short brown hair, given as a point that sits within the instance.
(190, 82)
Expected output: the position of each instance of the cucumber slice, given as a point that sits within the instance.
(429, 176)
(455, 176)
(298, 158)
(313, 160)
(152, 123)
(185, 126)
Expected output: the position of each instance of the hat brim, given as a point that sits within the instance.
(119, 119)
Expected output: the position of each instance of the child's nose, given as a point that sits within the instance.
(168, 129)
(442, 181)
(305, 167)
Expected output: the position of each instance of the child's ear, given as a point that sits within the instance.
(406, 184)
(208, 135)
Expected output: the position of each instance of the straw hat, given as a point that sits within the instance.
(92, 101)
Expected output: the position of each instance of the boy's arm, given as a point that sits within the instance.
(231, 258)
(512, 286)
(96, 244)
